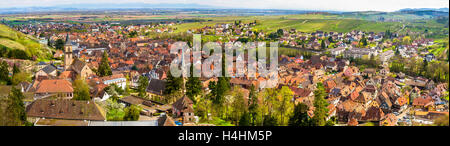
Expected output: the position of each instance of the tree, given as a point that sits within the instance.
(20, 77)
(15, 69)
(283, 105)
(59, 44)
(406, 40)
(330, 39)
(143, 83)
(81, 89)
(132, 113)
(16, 115)
(193, 86)
(238, 104)
(245, 119)
(173, 84)
(322, 44)
(269, 121)
(132, 34)
(4, 72)
(280, 32)
(104, 69)
(320, 106)
(300, 117)
(219, 89)
(363, 41)
(253, 107)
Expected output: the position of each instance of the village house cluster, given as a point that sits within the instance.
(355, 96)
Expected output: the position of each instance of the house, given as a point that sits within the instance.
(116, 79)
(47, 71)
(348, 110)
(373, 114)
(364, 98)
(429, 57)
(337, 51)
(330, 84)
(63, 112)
(67, 75)
(240, 82)
(183, 110)
(389, 120)
(385, 56)
(58, 88)
(423, 103)
(149, 107)
(301, 93)
(165, 120)
(156, 88)
(384, 101)
(369, 72)
(81, 69)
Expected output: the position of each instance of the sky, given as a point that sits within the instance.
(335, 5)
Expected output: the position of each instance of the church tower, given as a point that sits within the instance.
(67, 53)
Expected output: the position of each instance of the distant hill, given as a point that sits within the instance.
(14, 44)
(425, 9)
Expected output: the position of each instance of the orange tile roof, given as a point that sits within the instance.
(54, 86)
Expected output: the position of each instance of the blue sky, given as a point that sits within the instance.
(339, 5)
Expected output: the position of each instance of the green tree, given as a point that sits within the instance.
(81, 89)
(173, 84)
(245, 119)
(59, 44)
(300, 117)
(132, 113)
(330, 39)
(280, 32)
(4, 72)
(238, 106)
(193, 86)
(104, 69)
(284, 105)
(143, 83)
(15, 69)
(223, 86)
(322, 44)
(253, 107)
(320, 106)
(20, 77)
(363, 41)
(132, 34)
(270, 121)
(16, 115)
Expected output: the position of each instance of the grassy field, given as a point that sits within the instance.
(11, 44)
(16, 40)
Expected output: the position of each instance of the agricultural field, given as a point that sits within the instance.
(322, 22)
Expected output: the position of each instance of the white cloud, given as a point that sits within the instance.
(340, 5)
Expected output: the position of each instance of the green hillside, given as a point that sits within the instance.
(14, 44)
(327, 22)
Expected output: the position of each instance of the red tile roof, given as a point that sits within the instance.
(54, 86)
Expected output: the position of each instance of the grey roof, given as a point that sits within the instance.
(49, 68)
(156, 86)
(42, 63)
(78, 65)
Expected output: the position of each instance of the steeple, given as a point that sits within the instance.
(68, 40)
(68, 59)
